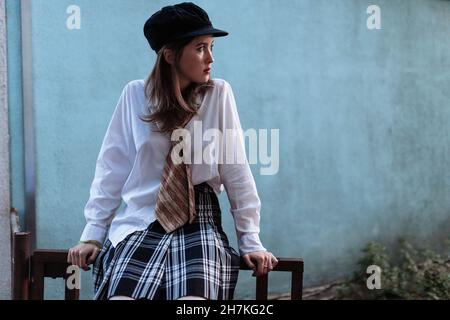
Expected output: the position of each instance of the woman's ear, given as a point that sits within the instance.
(168, 56)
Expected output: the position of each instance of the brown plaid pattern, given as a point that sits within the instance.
(175, 205)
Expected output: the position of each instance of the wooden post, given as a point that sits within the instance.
(21, 265)
(37, 281)
(262, 287)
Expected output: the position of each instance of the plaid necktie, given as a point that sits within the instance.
(175, 205)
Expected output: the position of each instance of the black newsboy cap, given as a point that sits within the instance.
(180, 21)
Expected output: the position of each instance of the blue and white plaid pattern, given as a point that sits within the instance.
(195, 259)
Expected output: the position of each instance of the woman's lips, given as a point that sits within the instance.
(207, 70)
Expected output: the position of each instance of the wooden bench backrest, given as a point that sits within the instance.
(31, 268)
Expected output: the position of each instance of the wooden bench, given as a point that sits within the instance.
(31, 268)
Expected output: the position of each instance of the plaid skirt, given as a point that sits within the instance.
(195, 259)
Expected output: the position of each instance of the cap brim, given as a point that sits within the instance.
(203, 32)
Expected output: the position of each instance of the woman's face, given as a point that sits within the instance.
(196, 61)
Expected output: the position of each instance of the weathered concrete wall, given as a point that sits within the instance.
(363, 115)
(5, 226)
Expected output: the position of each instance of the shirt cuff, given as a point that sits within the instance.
(93, 232)
(96, 243)
(250, 242)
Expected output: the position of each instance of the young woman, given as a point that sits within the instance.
(143, 258)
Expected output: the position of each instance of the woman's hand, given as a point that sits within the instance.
(83, 255)
(261, 262)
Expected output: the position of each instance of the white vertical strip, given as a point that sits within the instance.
(5, 225)
(28, 117)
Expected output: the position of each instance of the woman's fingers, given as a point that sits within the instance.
(79, 259)
(262, 266)
(93, 256)
(82, 255)
(269, 264)
(248, 261)
(83, 258)
(273, 260)
(69, 256)
(265, 262)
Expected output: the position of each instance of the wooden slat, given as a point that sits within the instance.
(293, 265)
(284, 264)
(262, 287)
(51, 255)
(37, 279)
(296, 285)
(71, 294)
(21, 265)
(53, 263)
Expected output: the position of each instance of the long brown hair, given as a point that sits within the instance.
(167, 105)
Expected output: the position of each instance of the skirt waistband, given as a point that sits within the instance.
(203, 187)
(207, 204)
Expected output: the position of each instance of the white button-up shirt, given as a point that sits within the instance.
(131, 161)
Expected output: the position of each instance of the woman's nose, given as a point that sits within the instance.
(209, 57)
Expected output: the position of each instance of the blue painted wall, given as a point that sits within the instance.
(364, 118)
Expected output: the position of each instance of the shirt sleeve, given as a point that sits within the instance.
(237, 178)
(113, 166)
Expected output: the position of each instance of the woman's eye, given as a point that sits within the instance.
(200, 49)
